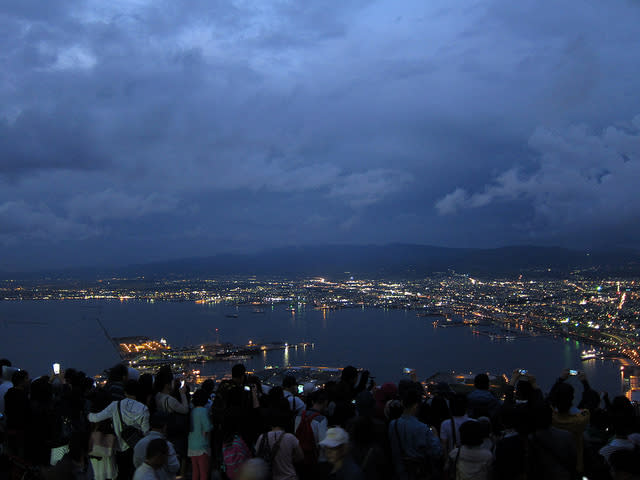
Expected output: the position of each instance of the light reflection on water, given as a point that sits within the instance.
(384, 341)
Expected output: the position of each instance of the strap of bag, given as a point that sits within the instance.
(120, 415)
(453, 432)
(367, 457)
(276, 446)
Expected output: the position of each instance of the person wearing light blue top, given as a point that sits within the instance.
(198, 441)
(410, 438)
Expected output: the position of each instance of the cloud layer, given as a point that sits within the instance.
(137, 130)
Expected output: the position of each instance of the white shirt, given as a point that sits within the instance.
(473, 463)
(133, 413)
(446, 434)
(145, 472)
(167, 404)
(295, 404)
(140, 452)
(4, 388)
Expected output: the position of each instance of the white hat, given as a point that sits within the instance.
(336, 436)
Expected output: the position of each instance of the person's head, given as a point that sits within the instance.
(458, 405)
(20, 378)
(238, 373)
(410, 401)
(623, 424)
(481, 381)
(41, 390)
(163, 384)
(472, 433)
(365, 404)
(208, 386)
(157, 453)
(4, 363)
(131, 389)
(158, 421)
(69, 375)
(393, 409)
(200, 398)
(319, 400)
(349, 375)
(590, 400)
(278, 418)
(524, 390)
(562, 397)
(290, 384)
(145, 382)
(118, 373)
(335, 444)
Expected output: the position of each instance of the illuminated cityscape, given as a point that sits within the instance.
(604, 313)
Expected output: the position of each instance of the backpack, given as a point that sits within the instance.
(267, 453)
(234, 454)
(307, 439)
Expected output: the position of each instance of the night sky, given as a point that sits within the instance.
(141, 130)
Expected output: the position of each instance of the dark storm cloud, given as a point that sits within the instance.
(166, 129)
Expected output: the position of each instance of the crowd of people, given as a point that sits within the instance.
(152, 427)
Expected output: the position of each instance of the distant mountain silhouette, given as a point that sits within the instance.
(395, 260)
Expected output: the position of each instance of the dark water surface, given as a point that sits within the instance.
(33, 334)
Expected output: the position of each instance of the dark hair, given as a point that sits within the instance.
(458, 404)
(472, 433)
(4, 363)
(19, 377)
(411, 398)
(161, 381)
(41, 390)
(622, 424)
(481, 381)
(158, 420)
(208, 386)
(238, 371)
(118, 372)
(278, 418)
(349, 374)
(562, 397)
(319, 396)
(200, 398)
(69, 374)
(163, 377)
(131, 388)
(157, 446)
(289, 381)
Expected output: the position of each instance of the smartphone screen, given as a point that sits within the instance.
(300, 389)
(181, 383)
(247, 388)
(56, 369)
(573, 372)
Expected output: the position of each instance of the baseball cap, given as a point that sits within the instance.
(336, 436)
